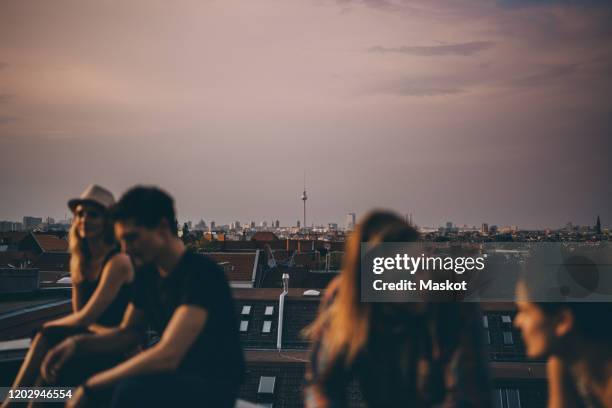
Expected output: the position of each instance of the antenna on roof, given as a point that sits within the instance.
(304, 198)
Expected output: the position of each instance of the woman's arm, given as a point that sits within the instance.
(561, 388)
(117, 272)
(77, 298)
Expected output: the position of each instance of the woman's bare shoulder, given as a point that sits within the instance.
(121, 264)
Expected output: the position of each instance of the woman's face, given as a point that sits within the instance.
(536, 327)
(89, 221)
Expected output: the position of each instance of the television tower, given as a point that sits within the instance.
(304, 198)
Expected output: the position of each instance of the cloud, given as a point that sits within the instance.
(7, 119)
(549, 75)
(377, 4)
(462, 49)
(412, 90)
(421, 88)
(5, 98)
(530, 3)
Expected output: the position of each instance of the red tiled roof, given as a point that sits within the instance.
(238, 266)
(51, 243)
(273, 356)
(53, 261)
(273, 294)
(264, 236)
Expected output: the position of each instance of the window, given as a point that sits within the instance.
(269, 310)
(508, 338)
(244, 326)
(246, 310)
(267, 326)
(485, 322)
(506, 319)
(266, 385)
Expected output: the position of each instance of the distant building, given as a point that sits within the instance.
(351, 219)
(277, 224)
(200, 226)
(30, 223)
(598, 226)
(484, 229)
(7, 226)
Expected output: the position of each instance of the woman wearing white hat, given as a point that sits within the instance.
(100, 275)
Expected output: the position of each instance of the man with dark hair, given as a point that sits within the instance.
(185, 298)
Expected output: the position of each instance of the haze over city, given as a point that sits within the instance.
(456, 111)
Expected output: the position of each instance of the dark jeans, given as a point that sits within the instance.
(173, 389)
(80, 367)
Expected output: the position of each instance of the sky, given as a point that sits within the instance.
(462, 111)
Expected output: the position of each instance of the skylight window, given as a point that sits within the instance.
(267, 326)
(266, 385)
(244, 326)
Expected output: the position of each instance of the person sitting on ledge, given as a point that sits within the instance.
(183, 296)
(413, 354)
(574, 337)
(100, 277)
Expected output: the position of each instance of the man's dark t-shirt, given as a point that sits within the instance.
(196, 280)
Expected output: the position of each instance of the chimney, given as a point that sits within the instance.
(281, 310)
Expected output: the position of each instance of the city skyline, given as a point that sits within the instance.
(460, 110)
(342, 225)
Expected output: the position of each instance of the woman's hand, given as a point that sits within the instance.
(79, 398)
(56, 358)
(70, 320)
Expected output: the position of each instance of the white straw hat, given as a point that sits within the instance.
(94, 194)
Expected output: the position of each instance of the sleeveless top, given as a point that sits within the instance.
(113, 315)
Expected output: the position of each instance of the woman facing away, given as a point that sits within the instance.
(576, 340)
(417, 354)
(99, 274)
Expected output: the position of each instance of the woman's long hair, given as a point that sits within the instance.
(342, 308)
(80, 254)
